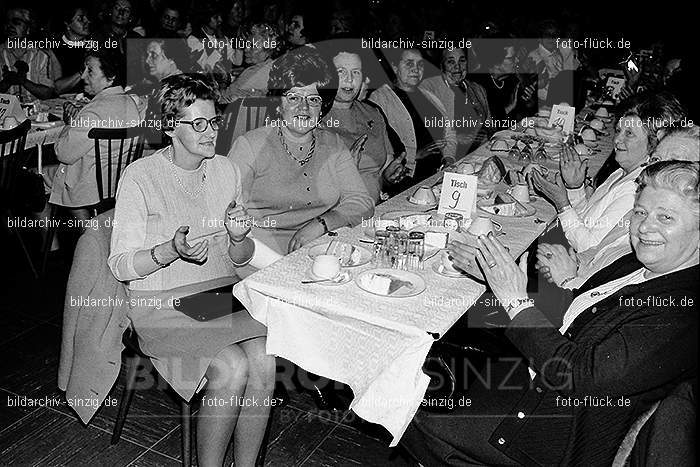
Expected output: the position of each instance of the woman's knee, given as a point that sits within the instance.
(262, 365)
(230, 365)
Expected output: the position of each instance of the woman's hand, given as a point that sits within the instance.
(435, 147)
(306, 234)
(528, 92)
(396, 170)
(555, 192)
(196, 253)
(70, 111)
(357, 147)
(555, 263)
(573, 169)
(238, 222)
(507, 279)
(462, 255)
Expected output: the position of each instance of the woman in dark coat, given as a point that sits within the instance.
(628, 338)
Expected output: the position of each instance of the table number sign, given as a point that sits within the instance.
(563, 116)
(10, 107)
(458, 194)
(613, 86)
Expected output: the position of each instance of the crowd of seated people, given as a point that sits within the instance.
(336, 144)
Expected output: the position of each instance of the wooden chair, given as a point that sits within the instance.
(129, 142)
(12, 146)
(241, 116)
(135, 356)
(124, 145)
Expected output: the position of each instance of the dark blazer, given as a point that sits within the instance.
(638, 343)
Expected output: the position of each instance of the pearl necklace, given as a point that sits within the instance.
(179, 182)
(309, 154)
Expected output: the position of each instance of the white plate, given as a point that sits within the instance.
(443, 271)
(485, 204)
(340, 279)
(337, 250)
(417, 284)
(427, 206)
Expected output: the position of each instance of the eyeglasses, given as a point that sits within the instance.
(294, 99)
(200, 124)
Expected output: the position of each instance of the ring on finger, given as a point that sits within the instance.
(548, 255)
(491, 265)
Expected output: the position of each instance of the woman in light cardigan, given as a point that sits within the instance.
(179, 222)
(587, 219)
(423, 161)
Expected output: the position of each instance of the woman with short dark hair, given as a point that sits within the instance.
(71, 52)
(74, 184)
(299, 179)
(180, 221)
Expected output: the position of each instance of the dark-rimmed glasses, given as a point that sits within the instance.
(200, 124)
(294, 99)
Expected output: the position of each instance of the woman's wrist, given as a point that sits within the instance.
(562, 206)
(164, 254)
(566, 281)
(516, 305)
(241, 253)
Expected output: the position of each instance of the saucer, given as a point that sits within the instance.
(486, 205)
(410, 284)
(412, 200)
(440, 269)
(359, 257)
(343, 277)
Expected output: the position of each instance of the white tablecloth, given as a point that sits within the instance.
(373, 344)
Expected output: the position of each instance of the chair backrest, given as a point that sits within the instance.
(12, 143)
(241, 116)
(124, 145)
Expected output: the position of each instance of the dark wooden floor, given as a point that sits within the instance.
(30, 319)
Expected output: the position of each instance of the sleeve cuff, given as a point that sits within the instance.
(568, 218)
(577, 195)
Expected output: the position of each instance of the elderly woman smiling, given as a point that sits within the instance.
(169, 232)
(587, 220)
(299, 179)
(630, 336)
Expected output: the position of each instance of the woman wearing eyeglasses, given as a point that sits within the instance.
(299, 180)
(180, 221)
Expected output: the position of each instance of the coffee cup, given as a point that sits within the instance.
(466, 169)
(326, 266)
(521, 193)
(597, 124)
(481, 225)
(589, 135)
(424, 195)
